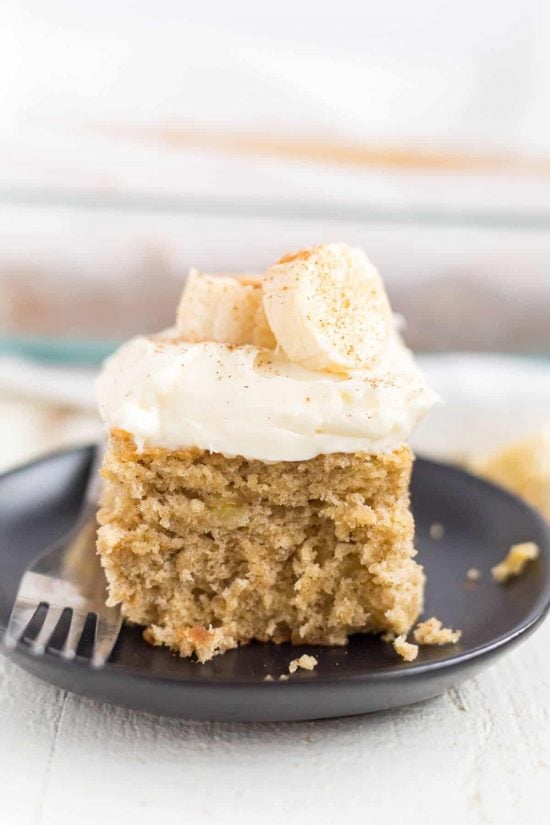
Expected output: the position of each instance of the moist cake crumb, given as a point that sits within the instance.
(283, 677)
(515, 561)
(437, 531)
(306, 662)
(269, 678)
(405, 649)
(432, 632)
(210, 552)
(473, 574)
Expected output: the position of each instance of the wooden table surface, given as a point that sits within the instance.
(477, 754)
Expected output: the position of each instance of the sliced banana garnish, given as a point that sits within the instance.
(223, 309)
(328, 308)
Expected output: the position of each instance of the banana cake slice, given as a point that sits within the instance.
(257, 474)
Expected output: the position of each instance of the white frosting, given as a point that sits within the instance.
(255, 403)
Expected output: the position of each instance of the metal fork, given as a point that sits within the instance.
(68, 578)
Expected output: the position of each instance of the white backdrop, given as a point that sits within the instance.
(192, 123)
(159, 96)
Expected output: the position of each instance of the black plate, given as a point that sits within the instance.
(39, 502)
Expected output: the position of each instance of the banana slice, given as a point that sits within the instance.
(223, 309)
(328, 308)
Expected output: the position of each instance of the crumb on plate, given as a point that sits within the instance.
(306, 662)
(514, 562)
(405, 649)
(432, 632)
(473, 574)
(283, 677)
(437, 531)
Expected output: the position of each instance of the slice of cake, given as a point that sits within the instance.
(257, 475)
(523, 467)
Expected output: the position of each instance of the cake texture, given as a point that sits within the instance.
(250, 496)
(210, 552)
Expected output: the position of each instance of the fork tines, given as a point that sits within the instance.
(105, 631)
(66, 586)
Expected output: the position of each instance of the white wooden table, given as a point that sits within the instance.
(478, 754)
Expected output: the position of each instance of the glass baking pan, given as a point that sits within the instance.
(81, 271)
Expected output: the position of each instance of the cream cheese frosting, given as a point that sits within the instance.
(254, 402)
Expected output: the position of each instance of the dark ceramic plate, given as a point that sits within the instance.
(39, 502)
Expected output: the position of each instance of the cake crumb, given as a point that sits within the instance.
(388, 636)
(473, 574)
(269, 678)
(515, 561)
(306, 662)
(432, 632)
(283, 677)
(437, 531)
(405, 649)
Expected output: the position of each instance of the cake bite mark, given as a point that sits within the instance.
(432, 632)
(514, 562)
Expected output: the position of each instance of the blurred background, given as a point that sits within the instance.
(140, 138)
